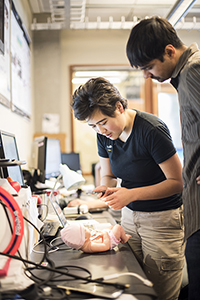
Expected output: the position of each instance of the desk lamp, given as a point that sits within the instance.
(71, 179)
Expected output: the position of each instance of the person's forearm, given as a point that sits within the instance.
(108, 181)
(117, 198)
(161, 190)
(95, 204)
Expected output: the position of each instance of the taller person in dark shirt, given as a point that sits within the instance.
(137, 147)
(155, 48)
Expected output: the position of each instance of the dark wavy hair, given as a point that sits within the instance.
(96, 94)
(148, 39)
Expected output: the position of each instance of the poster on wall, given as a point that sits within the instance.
(20, 67)
(5, 96)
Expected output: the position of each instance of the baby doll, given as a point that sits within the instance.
(77, 236)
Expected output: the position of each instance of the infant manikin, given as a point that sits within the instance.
(77, 236)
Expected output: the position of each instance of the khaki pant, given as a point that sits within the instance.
(157, 241)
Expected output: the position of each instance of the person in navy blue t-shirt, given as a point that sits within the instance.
(137, 147)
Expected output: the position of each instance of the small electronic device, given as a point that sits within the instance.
(96, 192)
(83, 217)
(108, 292)
(97, 210)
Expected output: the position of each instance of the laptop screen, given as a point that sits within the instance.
(57, 209)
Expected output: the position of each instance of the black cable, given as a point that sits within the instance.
(69, 268)
(45, 257)
(10, 294)
(47, 211)
(117, 285)
(55, 270)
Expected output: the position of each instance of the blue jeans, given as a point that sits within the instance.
(192, 253)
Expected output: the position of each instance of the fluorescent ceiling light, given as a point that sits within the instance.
(179, 10)
(37, 6)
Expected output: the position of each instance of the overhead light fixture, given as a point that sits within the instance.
(179, 10)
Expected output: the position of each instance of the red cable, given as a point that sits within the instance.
(18, 227)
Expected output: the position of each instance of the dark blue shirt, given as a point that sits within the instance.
(137, 160)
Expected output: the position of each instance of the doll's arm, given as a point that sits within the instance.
(103, 246)
(120, 233)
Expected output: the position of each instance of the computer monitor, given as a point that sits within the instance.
(8, 149)
(72, 160)
(38, 158)
(53, 158)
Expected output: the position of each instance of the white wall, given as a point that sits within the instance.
(52, 75)
(188, 37)
(52, 54)
(56, 51)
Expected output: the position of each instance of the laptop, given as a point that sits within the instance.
(92, 224)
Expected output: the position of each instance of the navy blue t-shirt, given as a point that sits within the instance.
(136, 160)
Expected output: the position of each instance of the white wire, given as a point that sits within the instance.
(53, 189)
(51, 243)
(59, 237)
(56, 248)
(145, 281)
(42, 252)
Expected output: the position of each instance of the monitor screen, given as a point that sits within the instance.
(72, 160)
(53, 158)
(38, 158)
(8, 149)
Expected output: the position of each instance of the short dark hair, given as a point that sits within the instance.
(96, 94)
(148, 39)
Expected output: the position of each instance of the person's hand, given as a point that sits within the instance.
(117, 198)
(76, 202)
(198, 179)
(98, 190)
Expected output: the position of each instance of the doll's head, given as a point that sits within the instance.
(73, 235)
